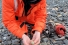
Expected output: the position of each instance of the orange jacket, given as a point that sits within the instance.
(36, 15)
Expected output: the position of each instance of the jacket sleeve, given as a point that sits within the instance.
(8, 18)
(40, 17)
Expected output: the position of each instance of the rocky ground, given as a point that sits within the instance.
(57, 11)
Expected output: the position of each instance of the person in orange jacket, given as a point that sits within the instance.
(16, 12)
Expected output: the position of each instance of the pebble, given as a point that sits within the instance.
(66, 36)
(0, 31)
(45, 39)
(0, 15)
(9, 42)
(66, 42)
(0, 43)
(1, 26)
(43, 43)
(55, 8)
(4, 38)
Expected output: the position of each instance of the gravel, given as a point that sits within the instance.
(57, 11)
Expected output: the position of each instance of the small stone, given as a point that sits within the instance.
(55, 44)
(9, 42)
(62, 38)
(45, 39)
(51, 21)
(17, 40)
(1, 26)
(60, 18)
(59, 15)
(2, 30)
(59, 42)
(48, 12)
(4, 38)
(66, 42)
(0, 43)
(43, 43)
(60, 9)
(57, 24)
(5, 43)
(63, 44)
(55, 8)
(66, 36)
(14, 42)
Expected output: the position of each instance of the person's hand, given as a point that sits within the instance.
(26, 39)
(36, 38)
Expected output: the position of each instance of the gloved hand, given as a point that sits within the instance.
(26, 39)
(36, 38)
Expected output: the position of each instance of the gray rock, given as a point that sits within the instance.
(5, 43)
(60, 18)
(0, 15)
(43, 43)
(0, 44)
(9, 42)
(0, 31)
(4, 38)
(15, 42)
(59, 39)
(1, 26)
(59, 42)
(63, 44)
(45, 39)
(66, 42)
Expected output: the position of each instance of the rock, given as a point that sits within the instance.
(62, 38)
(55, 8)
(0, 31)
(66, 42)
(5, 43)
(43, 43)
(45, 39)
(0, 43)
(63, 44)
(4, 38)
(9, 42)
(1, 26)
(66, 36)
(59, 42)
(15, 42)
(13, 38)
(59, 18)
(60, 9)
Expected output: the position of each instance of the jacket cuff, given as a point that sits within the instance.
(20, 34)
(37, 29)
